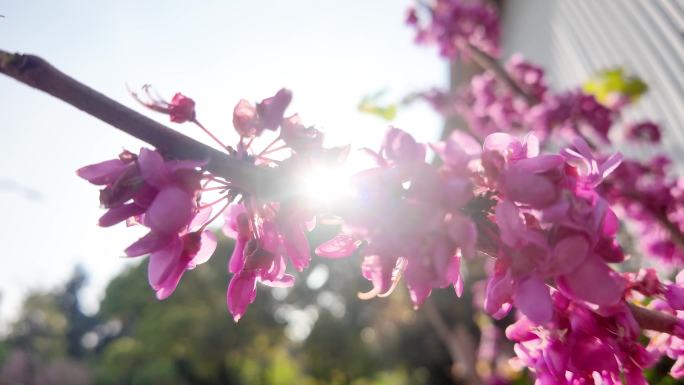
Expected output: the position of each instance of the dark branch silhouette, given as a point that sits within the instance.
(38, 73)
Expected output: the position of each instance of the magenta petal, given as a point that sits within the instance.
(516, 185)
(593, 282)
(521, 330)
(568, 253)
(286, 280)
(102, 173)
(674, 295)
(170, 211)
(340, 246)
(540, 164)
(677, 370)
(297, 247)
(379, 271)
(533, 299)
(419, 291)
(241, 293)
(120, 214)
(505, 144)
(152, 168)
(509, 221)
(165, 267)
(589, 354)
(200, 218)
(207, 248)
(147, 244)
(237, 259)
(271, 110)
(610, 164)
(245, 118)
(458, 150)
(634, 375)
(230, 217)
(498, 293)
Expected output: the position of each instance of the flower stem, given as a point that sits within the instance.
(487, 62)
(217, 140)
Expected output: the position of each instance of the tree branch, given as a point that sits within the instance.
(489, 63)
(459, 343)
(38, 73)
(655, 320)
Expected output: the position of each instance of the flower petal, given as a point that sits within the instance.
(340, 246)
(533, 299)
(120, 214)
(593, 281)
(152, 168)
(102, 173)
(147, 244)
(241, 293)
(207, 248)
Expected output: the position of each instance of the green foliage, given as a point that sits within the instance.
(370, 104)
(190, 338)
(605, 84)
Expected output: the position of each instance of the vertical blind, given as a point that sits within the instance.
(573, 39)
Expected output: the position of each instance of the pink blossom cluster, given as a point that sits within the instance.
(165, 195)
(669, 299)
(645, 192)
(408, 215)
(582, 346)
(456, 25)
(548, 222)
(653, 200)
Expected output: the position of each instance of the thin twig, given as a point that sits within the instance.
(459, 343)
(654, 320)
(489, 63)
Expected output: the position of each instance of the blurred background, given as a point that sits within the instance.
(73, 311)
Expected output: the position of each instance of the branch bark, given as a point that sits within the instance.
(459, 343)
(654, 320)
(38, 73)
(489, 63)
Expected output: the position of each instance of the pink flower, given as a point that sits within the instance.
(579, 345)
(643, 131)
(407, 217)
(453, 24)
(241, 293)
(161, 195)
(300, 138)
(181, 109)
(184, 252)
(250, 120)
(262, 248)
(245, 119)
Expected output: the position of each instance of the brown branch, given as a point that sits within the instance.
(38, 73)
(654, 320)
(489, 63)
(459, 343)
(676, 235)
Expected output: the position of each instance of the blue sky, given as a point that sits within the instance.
(330, 53)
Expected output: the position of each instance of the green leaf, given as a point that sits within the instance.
(370, 104)
(606, 84)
